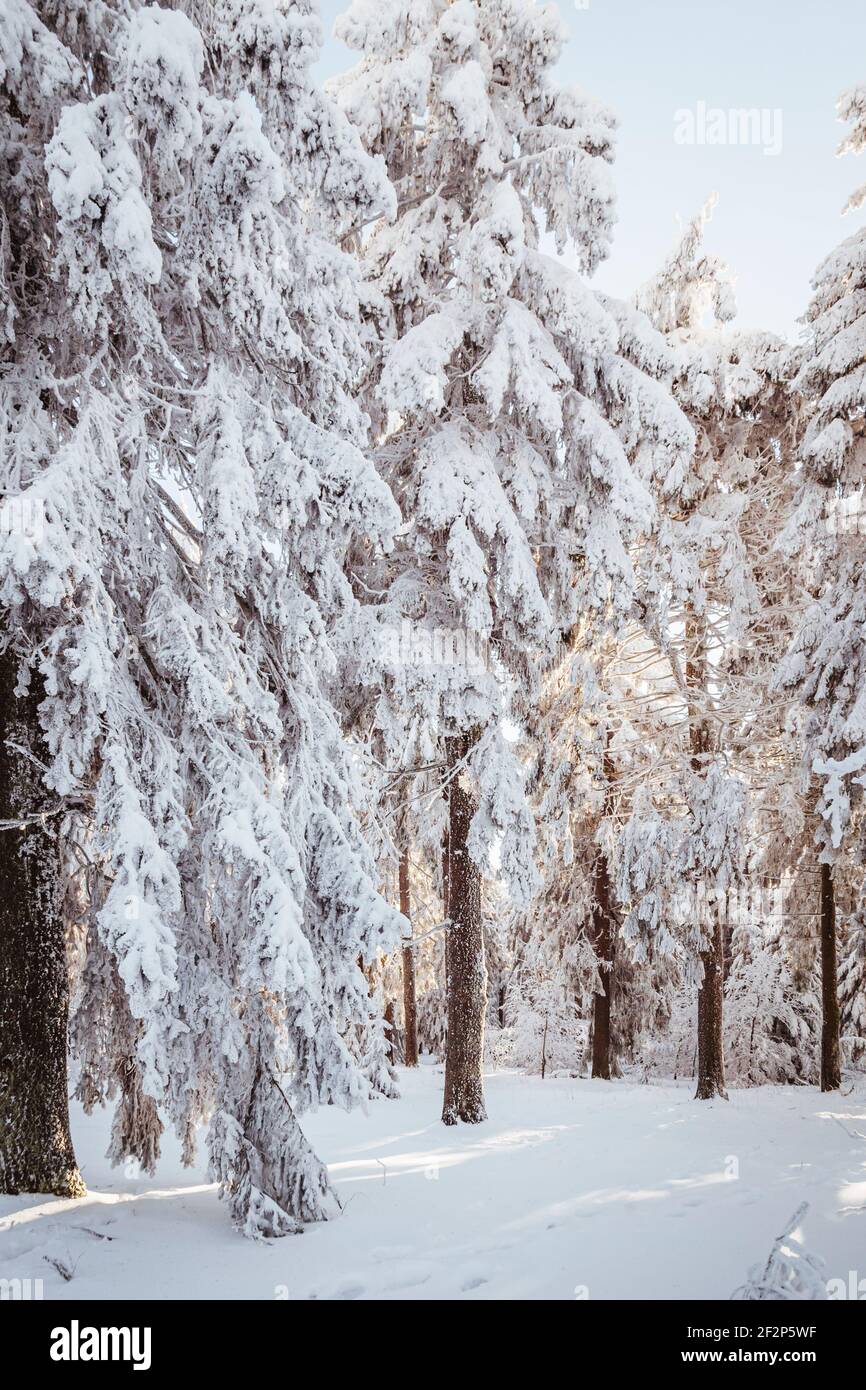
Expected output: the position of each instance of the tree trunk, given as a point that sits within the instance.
(711, 1050)
(410, 1008)
(711, 1055)
(390, 1019)
(604, 945)
(466, 973)
(36, 1153)
(603, 942)
(831, 1068)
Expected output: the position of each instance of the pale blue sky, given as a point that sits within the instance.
(777, 215)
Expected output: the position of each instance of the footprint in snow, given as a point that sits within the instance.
(475, 1283)
(382, 1253)
(346, 1291)
(409, 1279)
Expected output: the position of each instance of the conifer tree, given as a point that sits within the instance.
(711, 586)
(825, 666)
(183, 336)
(509, 410)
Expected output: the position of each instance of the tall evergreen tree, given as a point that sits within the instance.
(182, 338)
(711, 588)
(825, 666)
(509, 410)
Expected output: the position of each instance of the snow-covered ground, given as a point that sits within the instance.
(571, 1189)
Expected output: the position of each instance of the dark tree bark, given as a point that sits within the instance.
(466, 972)
(36, 1153)
(604, 945)
(410, 1007)
(831, 1066)
(390, 1019)
(711, 1054)
(711, 1049)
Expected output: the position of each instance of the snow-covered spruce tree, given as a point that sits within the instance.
(406, 823)
(852, 985)
(583, 736)
(772, 984)
(713, 590)
(37, 75)
(547, 1032)
(508, 408)
(772, 1024)
(181, 337)
(825, 666)
(711, 861)
(849, 891)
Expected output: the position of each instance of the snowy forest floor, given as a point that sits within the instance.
(573, 1188)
